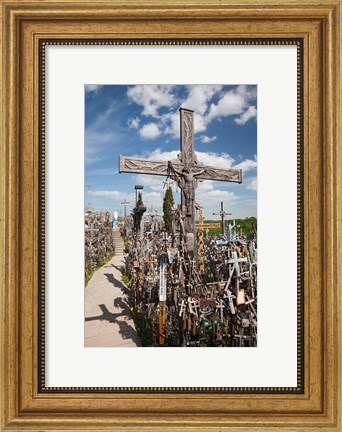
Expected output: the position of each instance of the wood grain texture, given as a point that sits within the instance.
(24, 23)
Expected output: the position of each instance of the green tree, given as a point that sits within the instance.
(167, 210)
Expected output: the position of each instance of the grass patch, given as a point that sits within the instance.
(92, 270)
(125, 279)
(126, 242)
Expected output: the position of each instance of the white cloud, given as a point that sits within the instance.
(150, 195)
(171, 123)
(92, 88)
(199, 97)
(251, 112)
(150, 131)
(221, 194)
(205, 186)
(106, 193)
(232, 102)
(238, 101)
(156, 183)
(247, 164)
(133, 123)
(207, 194)
(206, 139)
(152, 97)
(253, 184)
(158, 154)
(200, 123)
(217, 160)
(119, 194)
(210, 199)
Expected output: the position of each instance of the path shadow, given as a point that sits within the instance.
(106, 315)
(119, 268)
(118, 284)
(120, 303)
(126, 330)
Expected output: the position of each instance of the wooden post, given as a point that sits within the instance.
(201, 242)
(222, 214)
(162, 297)
(162, 320)
(200, 226)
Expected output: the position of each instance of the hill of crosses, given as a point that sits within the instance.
(187, 288)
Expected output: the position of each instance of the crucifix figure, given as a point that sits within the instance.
(139, 209)
(125, 202)
(186, 170)
(222, 214)
(187, 182)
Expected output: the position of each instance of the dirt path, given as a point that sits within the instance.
(108, 321)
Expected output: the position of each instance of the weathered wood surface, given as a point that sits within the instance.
(154, 167)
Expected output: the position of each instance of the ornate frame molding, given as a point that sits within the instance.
(24, 25)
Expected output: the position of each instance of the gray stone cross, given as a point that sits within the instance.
(186, 170)
(222, 214)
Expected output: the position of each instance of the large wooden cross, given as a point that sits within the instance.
(186, 170)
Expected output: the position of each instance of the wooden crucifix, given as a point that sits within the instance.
(200, 226)
(186, 170)
(222, 214)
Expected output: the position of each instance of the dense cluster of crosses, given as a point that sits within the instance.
(99, 239)
(183, 296)
(176, 303)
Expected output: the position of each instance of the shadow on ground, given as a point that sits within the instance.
(120, 303)
(125, 330)
(118, 284)
(119, 268)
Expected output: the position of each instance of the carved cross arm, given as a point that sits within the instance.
(227, 175)
(143, 166)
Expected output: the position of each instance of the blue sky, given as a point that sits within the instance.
(143, 121)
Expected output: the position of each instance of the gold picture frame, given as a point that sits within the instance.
(25, 24)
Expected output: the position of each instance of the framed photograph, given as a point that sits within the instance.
(184, 277)
(170, 215)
